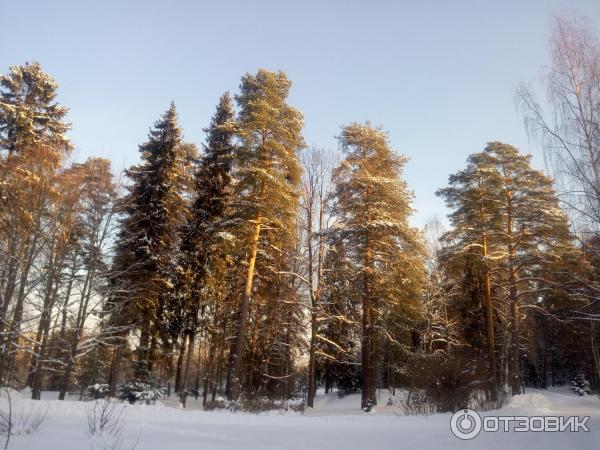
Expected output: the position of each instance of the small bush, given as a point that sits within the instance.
(131, 391)
(105, 417)
(18, 418)
(482, 402)
(349, 381)
(217, 404)
(258, 405)
(138, 392)
(98, 391)
(442, 383)
(106, 420)
(416, 403)
(580, 385)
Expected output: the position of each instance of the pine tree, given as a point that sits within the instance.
(507, 214)
(28, 114)
(151, 212)
(373, 206)
(535, 229)
(267, 175)
(474, 221)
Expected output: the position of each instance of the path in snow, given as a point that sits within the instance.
(334, 424)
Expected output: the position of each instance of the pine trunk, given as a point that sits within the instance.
(179, 370)
(236, 360)
(368, 398)
(114, 371)
(143, 349)
(186, 372)
(489, 324)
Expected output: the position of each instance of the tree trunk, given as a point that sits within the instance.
(169, 373)
(514, 353)
(39, 356)
(219, 378)
(489, 325)
(179, 370)
(594, 347)
(312, 382)
(208, 374)
(235, 368)
(15, 328)
(144, 347)
(368, 389)
(186, 372)
(201, 359)
(114, 371)
(368, 398)
(67, 376)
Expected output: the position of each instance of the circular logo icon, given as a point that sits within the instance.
(465, 424)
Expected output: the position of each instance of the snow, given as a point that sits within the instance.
(537, 403)
(334, 424)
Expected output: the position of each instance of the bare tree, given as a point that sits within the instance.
(316, 190)
(569, 130)
(441, 331)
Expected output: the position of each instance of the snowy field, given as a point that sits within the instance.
(333, 424)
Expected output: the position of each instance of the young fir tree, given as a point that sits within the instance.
(373, 206)
(212, 191)
(267, 174)
(28, 113)
(146, 242)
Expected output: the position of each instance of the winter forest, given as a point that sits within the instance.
(254, 269)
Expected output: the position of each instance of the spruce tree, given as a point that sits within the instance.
(212, 191)
(28, 113)
(151, 213)
(373, 206)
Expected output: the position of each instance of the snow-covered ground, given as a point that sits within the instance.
(333, 424)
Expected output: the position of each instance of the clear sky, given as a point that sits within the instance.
(438, 75)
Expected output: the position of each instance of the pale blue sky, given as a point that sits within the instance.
(438, 75)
